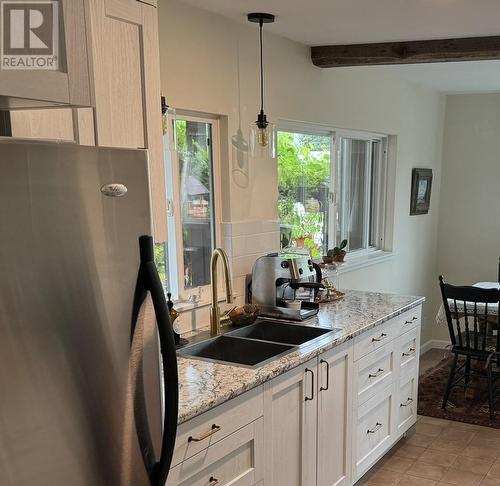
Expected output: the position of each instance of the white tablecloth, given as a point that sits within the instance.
(492, 308)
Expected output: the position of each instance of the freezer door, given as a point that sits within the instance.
(69, 257)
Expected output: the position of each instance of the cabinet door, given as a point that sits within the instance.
(373, 430)
(126, 80)
(335, 417)
(69, 84)
(406, 404)
(290, 424)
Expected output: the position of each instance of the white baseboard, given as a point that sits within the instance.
(433, 343)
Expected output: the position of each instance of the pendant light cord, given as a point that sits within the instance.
(261, 23)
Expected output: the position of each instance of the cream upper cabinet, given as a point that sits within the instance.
(69, 83)
(124, 66)
(290, 421)
(335, 416)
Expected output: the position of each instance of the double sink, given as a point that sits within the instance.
(256, 344)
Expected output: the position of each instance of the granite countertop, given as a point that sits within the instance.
(204, 384)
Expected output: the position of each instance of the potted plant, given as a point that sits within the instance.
(336, 254)
(304, 225)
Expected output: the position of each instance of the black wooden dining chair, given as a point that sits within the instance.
(466, 310)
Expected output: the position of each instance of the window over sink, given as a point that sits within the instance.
(332, 186)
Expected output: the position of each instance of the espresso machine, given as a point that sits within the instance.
(281, 279)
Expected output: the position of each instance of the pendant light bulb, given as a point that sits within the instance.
(262, 132)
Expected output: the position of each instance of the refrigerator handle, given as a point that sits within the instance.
(149, 281)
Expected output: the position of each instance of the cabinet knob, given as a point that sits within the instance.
(213, 481)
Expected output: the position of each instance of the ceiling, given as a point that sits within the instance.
(450, 77)
(321, 22)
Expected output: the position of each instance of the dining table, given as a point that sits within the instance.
(492, 308)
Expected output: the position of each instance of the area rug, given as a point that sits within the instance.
(469, 406)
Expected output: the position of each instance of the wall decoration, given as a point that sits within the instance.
(421, 185)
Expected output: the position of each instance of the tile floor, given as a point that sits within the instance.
(440, 452)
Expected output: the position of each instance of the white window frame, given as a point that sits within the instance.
(199, 295)
(381, 214)
(381, 188)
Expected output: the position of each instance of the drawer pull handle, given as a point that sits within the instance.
(410, 352)
(377, 373)
(312, 385)
(325, 388)
(378, 426)
(405, 404)
(412, 320)
(213, 481)
(215, 428)
(382, 336)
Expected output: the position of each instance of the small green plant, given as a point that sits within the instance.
(338, 250)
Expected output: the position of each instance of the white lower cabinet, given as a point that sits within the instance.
(323, 423)
(307, 423)
(406, 404)
(374, 430)
(386, 389)
(334, 417)
(290, 422)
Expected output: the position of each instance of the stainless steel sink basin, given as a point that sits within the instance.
(236, 351)
(280, 332)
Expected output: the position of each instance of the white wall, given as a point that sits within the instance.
(469, 223)
(210, 64)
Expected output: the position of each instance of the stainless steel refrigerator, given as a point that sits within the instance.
(87, 357)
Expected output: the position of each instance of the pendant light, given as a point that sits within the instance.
(262, 131)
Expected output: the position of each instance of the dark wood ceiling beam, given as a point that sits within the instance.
(411, 52)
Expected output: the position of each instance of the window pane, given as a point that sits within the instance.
(374, 196)
(353, 188)
(197, 202)
(304, 186)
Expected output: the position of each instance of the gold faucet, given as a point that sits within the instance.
(214, 308)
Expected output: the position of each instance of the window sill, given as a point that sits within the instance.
(189, 306)
(358, 262)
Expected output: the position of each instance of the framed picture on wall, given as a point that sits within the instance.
(421, 185)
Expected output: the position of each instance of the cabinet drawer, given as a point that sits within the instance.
(408, 350)
(374, 339)
(406, 406)
(409, 320)
(374, 372)
(234, 460)
(197, 434)
(374, 432)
